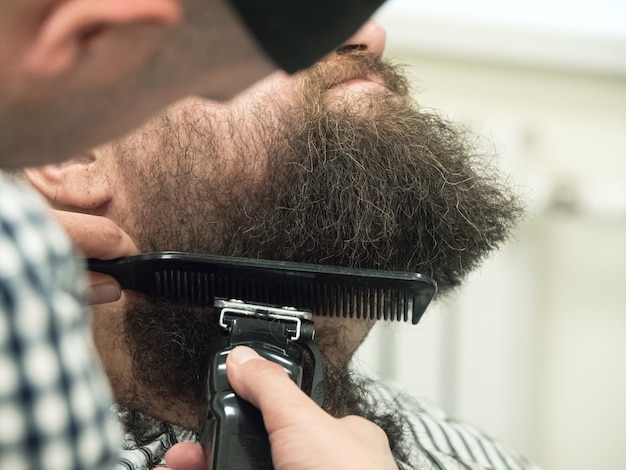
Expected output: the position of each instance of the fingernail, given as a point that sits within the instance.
(103, 293)
(243, 354)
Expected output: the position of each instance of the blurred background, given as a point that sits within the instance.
(533, 348)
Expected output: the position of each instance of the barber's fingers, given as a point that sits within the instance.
(102, 289)
(302, 435)
(186, 456)
(96, 236)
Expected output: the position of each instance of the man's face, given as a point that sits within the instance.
(334, 166)
(72, 78)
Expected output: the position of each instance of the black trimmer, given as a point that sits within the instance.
(269, 306)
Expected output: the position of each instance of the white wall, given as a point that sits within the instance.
(534, 349)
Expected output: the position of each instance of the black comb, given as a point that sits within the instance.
(198, 279)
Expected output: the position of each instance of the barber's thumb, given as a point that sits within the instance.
(267, 386)
(102, 289)
(250, 374)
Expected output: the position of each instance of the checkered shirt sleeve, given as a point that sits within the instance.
(54, 398)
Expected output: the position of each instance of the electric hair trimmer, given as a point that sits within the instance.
(269, 306)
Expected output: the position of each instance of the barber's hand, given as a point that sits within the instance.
(101, 238)
(302, 435)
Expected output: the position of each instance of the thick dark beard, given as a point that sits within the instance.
(394, 189)
(370, 183)
(377, 183)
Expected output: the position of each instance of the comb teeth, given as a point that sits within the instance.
(324, 290)
(347, 301)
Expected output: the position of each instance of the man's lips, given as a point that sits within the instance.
(364, 80)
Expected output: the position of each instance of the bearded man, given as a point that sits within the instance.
(337, 166)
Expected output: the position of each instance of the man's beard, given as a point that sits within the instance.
(370, 183)
(374, 182)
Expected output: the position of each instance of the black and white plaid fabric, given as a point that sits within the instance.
(54, 398)
(436, 441)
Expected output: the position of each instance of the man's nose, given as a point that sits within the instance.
(370, 38)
